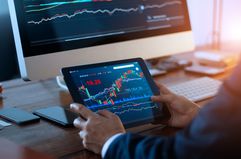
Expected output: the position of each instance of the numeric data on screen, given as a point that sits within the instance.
(121, 89)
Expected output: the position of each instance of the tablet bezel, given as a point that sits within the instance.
(156, 118)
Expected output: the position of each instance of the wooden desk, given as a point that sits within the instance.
(53, 139)
(9, 150)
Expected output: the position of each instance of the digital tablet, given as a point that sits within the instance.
(123, 87)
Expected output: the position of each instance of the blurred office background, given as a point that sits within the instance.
(201, 14)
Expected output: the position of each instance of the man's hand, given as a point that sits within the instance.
(182, 110)
(96, 129)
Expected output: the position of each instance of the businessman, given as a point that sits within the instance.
(209, 133)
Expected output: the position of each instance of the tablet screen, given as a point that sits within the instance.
(122, 89)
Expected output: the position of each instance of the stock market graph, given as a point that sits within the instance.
(52, 21)
(122, 90)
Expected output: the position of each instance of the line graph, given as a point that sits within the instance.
(47, 6)
(134, 108)
(124, 91)
(80, 12)
(82, 23)
(110, 12)
(105, 97)
(122, 97)
(129, 102)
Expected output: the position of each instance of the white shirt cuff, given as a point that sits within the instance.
(108, 143)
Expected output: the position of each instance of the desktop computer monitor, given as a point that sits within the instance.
(51, 34)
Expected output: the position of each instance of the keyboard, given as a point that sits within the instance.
(197, 89)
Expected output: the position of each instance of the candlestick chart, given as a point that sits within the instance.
(124, 94)
(119, 91)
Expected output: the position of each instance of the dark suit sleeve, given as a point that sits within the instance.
(214, 133)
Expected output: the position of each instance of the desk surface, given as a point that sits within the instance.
(53, 139)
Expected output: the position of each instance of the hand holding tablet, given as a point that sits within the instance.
(123, 87)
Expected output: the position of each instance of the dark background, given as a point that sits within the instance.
(8, 60)
(45, 38)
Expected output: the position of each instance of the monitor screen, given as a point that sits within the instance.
(50, 26)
